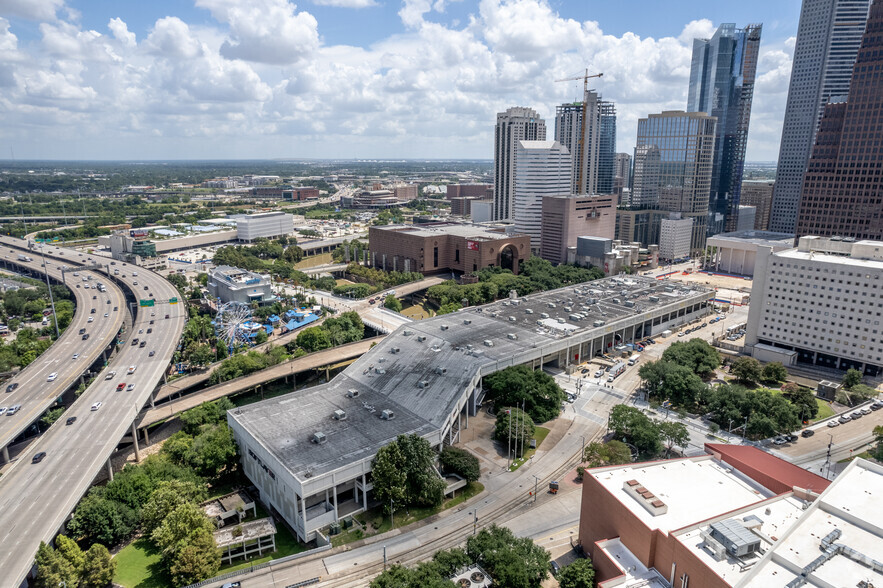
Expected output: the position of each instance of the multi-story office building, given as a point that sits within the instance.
(301, 194)
(566, 218)
(722, 85)
(469, 190)
(644, 192)
(583, 140)
(514, 125)
(747, 216)
(674, 237)
(819, 304)
(263, 225)
(686, 146)
(759, 194)
(543, 169)
(231, 284)
(606, 148)
(622, 167)
(828, 38)
(843, 188)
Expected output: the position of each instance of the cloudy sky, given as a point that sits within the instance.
(197, 79)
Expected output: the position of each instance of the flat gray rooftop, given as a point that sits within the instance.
(456, 229)
(422, 369)
(767, 238)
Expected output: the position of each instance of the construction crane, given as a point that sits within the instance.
(582, 134)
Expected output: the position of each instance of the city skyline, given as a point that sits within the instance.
(85, 80)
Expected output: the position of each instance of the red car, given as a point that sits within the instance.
(121, 386)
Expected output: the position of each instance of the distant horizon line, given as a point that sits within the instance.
(276, 160)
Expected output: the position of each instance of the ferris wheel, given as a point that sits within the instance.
(231, 324)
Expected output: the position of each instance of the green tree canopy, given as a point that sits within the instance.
(98, 519)
(99, 567)
(53, 569)
(695, 354)
(537, 390)
(165, 498)
(404, 472)
(852, 378)
(514, 562)
(579, 574)
(460, 462)
(207, 413)
(313, 339)
(611, 453)
(634, 426)
(747, 370)
(196, 559)
(774, 373)
(392, 303)
(673, 434)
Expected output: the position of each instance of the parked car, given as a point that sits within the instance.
(834, 423)
(845, 418)
(808, 433)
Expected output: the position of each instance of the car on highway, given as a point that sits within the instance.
(83, 330)
(151, 354)
(3, 410)
(38, 457)
(142, 344)
(86, 336)
(140, 331)
(11, 387)
(121, 386)
(106, 314)
(108, 301)
(90, 320)
(92, 311)
(134, 341)
(132, 369)
(167, 316)
(94, 297)
(151, 322)
(807, 433)
(130, 387)
(114, 308)
(76, 356)
(70, 420)
(52, 377)
(110, 375)
(96, 406)
(149, 331)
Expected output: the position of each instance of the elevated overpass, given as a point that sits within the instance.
(34, 391)
(36, 499)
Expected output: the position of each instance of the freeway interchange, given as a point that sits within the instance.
(36, 498)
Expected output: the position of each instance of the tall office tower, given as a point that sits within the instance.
(543, 168)
(623, 168)
(569, 132)
(645, 180)
(514, 125)
(828, 38)
(722, 85)
(843, 188)
(759, 193)
(606, 148)
(686, 143)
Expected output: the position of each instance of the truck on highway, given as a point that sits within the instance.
(24, 257)
(615, 371)
(634, 359)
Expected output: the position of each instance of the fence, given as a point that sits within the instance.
(264, 566)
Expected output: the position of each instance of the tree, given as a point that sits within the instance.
(425, 575)
(460, 462)
(579, 574)
(877, 452)
(99, 567)
(804, 402)
(53, 570)
(695, 354)
(774, 373)
(512, 561)
(537, 390)
(165, 498)
(390, 481)
(69, 550)
(450, 560)
(98, 519)
(207, 413)
(448, 308)
(392, 303)
(631, 424)
(178, 281)
(673, 434)
(611, 453)
(261, 337)
(212, 450)
(201, 355)
(424, 486)
(852, 378)
(747, 370)
(671, 381)
(179, 527)
(313, 339)
(196, 560)
(513, 425)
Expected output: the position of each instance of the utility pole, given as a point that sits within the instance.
(536, 487)
(474, 521)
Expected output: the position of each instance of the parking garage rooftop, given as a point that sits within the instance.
(420, 372)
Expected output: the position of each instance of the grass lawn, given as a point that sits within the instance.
(138, 566)
(864, 454)
(374, 522)
(825, 410)
(540, 434)
(313, 261)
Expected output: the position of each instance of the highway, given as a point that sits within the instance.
(36, 499)
(34, 392)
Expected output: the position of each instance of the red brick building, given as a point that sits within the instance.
(475, 190)
(661, 523)
(306, 193)
(442, 247)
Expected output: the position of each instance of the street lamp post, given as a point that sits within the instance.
(51, 298)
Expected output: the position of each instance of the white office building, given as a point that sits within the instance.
(819, 304)
(542, 168)
(265, 224)
(514, 125)
(674, 237)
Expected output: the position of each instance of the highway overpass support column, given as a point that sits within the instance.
(5, 455)
(135, 443)
(109, 470)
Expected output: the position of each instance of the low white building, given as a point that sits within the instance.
(735, 253)
(674, 237)
(265, 224)
(822, 300)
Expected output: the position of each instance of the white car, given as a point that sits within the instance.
(132, 369)
(96, 406)
(106, 315)
(834, 423)
(2, 410)
(90, 319)
(76, 355)
(130, 387)
(52, 377)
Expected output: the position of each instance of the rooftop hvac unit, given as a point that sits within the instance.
(394, 350)
(544, 315)
(493, 315)
(339, 415)
(551, 305)
(387, 414)
(528, 311)
(444, 327)
(512, 336)
(488, 343)
(352, 393)
(512, 319)
(441, 370)
(423, 384)
(598, 324)
(318, 438)
(560, 321)
(629, 303)
(469, 346)
(379, 370)
(421, 338)
(407, 332)
(467, 321)
(654, 299)
(575, 317)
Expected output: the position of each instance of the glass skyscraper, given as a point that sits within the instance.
(607, 148)
(722, 85)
